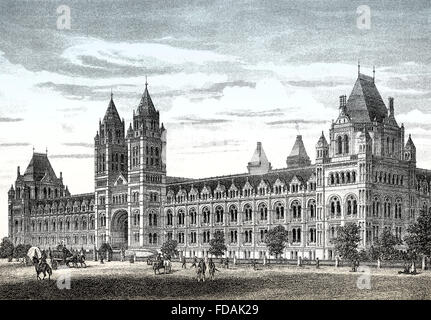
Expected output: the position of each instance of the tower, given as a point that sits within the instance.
(146, 141)
(110, 158)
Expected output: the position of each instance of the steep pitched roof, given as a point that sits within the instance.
(146, 106)
(298, 155)
(365, 103)
(39, 168)
(111, 114)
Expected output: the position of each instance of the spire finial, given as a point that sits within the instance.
(374, 73)
(359, 67)
(33, 149)
(146, 82)
(112, 95)
(46, 150)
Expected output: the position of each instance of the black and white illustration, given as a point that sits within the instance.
(215, 150)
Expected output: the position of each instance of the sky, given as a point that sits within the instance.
(223, 74)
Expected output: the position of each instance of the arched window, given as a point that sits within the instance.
(233, 211)
(398, 208)
(192, 214)
(335, 204)
(219, 214)
(181, 217)
(351, 205)
(263, 210)
(312, 209)
(206, 215)
(376, 207)
(296, 209)
(279, 211)
(339, 145)
(387, 208)
(248, 212)
(346, 143)
(170, 218)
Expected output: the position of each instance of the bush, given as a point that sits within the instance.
(6, 248)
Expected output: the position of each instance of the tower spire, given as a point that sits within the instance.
(146, 82)
(374, 73)
(359, 67)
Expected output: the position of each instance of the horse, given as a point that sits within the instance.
(42, 267)
(200, 271)
(157, 265)
(167, 265)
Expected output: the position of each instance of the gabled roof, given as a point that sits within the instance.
(39, 168)
(365, 103)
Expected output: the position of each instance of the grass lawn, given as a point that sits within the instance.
(123, 280)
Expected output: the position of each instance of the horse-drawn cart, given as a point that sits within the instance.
(66, 258)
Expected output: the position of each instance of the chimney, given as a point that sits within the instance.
(17, 172)
(391, 106)
(259, 147)
(343, 103)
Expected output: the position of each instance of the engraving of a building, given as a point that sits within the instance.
(364, 173)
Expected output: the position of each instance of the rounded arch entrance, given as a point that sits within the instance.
(119, 229)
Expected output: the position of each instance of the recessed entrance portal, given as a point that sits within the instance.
(119, 229)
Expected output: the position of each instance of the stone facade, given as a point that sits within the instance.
(364, 174)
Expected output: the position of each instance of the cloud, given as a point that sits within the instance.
(199, 121)
(72, 156)
(296, 121)
(67, 128)
(5, 119)
(218, 143)
(250, 113)
(415, 117)
(78, 144)
(136, 54)
(14, 144)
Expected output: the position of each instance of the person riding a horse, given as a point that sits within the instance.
(195, 262)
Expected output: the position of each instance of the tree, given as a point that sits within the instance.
(170, 248)
(6, 249)
(217, 244)
(384, 246)
(20, 251)
(418, 237)
(276, 239)
(346, 243)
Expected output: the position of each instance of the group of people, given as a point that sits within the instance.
(206, 261)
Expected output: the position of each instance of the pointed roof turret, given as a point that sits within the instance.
(322, 142)
(410, 144)
(146, 106)
(298, 156)
(259, 163)
(365, 103)
(111, 114)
